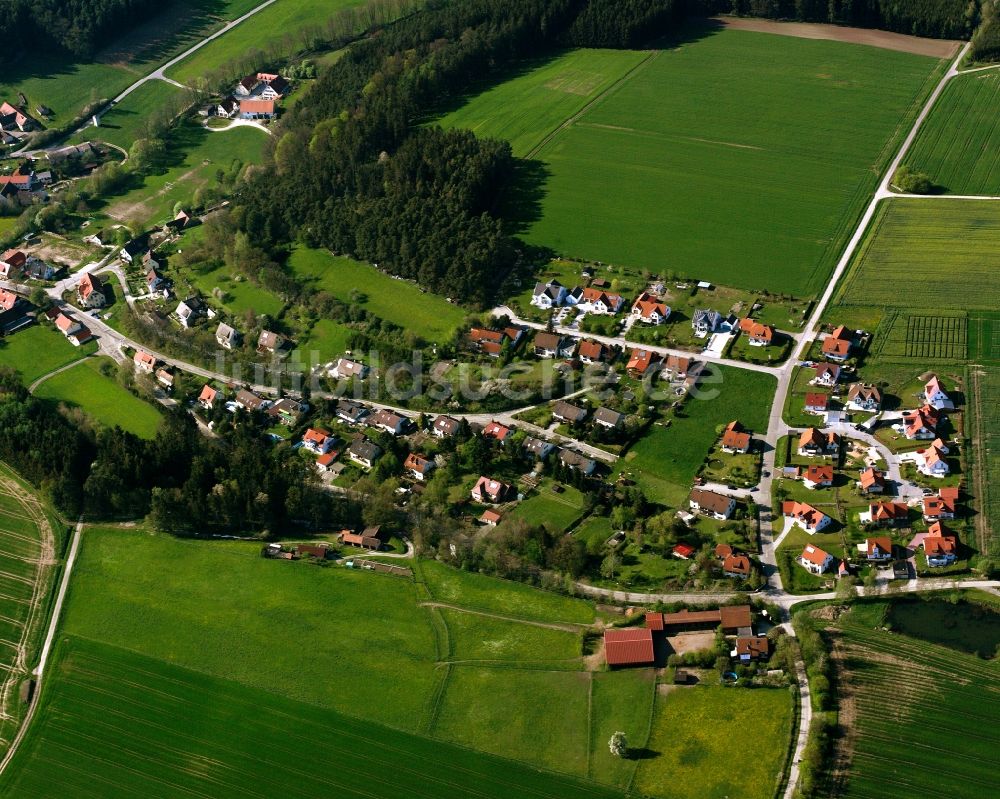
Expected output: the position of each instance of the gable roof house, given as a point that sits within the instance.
(816, 403)
(735, 439)
(37, 269)
(648, 309)
(392, 423)
(497, 431)
(364, 452)
(758, 335)
(577, 462)
(227, 108)
(596, 301)
(417, 466)
(885, 514)
(569, 413)
(738, 566)
(640, 362)
(90, 292)
(864, 397)
(676, 366)
(920, 424)
(752, 647)
(269, 341)
(318, 440)
(940, 545)
(608, 418)
(346, 369)
(936, 396)
(227, 336)
(154, 280)
(487, 340)
(66, 325)
(247, 85)
(815, 443)
(191, 310)
(553, 345)
(350, 411)
(593, 351)
(134, 249)
(941, 506)
(490, 517)
(878, 549)
(805, 516)
(445, 427)
(705, 321)
(538, 447)
(287, 411)
(827, 374)
(837, 345)
(490, 491)
(931, 461)
(249, 401)
(12, 264)
(9, 301)
(208, 397)
(548, 295)
(274, 86)
(817, 476)
(709, 503)
(165, 378)
(144, 362)
(363, 539)
(815, 559)
(871, 481)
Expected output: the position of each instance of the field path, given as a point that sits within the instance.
(54, 372)
(562, 626)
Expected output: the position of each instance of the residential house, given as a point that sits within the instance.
(257, 109)
(871, 481)
(752, 647)
(593, 352)
(165, 378)
(805, 516)
(190, 311)
(709, 503)
(815, 559)
(735, 439)
(445, 427)
(548, 295)
(487, 340)
(940, 545)
(568, 413)
(885, 514)
(641, 361)
(921, 424)
(364, 539)
(758, 335)
(827, 374)
(12, 264)
(497, 431)
(250, 402)
(490, 517)
(208, 397)
(76, 333)
(553, 345)
(706, 322)
(490, 491)
(738, 566)
(608, 418)
(648, 309)
(538, 448)
(134, 249)
(837, 345)
(144, 362)
(864, 397)
(272, 87)
(629, 646)
(350, 411)
(931, 461)
(417, 466)
(364, 452)
(676, 367)
(392, 423)
(595, 301)
(155, 281)
(815, 443)
(878, 549)
(723, 551)
(318, 441)
(8, 302)
(37, 269)
(346, 369)
(936, 396)
(90, 292)
(942, 506)
(325, 464)
(270, 342)
(247, 85)
(227, 336)
(817, 476)
(577, 462)
(817, 403)
(227, 108)
(12, 117)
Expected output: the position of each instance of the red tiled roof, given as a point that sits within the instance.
(683, 550)
(736, 564)
(256, 106)
(817, 473)
(654, 621)
(628, 647)
(814, 555)
(733, 617)
(735, 437)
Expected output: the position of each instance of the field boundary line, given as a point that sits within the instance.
(653, 54)
(649, 734)
(590, 721)
(977, 434)
(436, 699)
(567, 626)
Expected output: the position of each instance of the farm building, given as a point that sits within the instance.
(629, 647)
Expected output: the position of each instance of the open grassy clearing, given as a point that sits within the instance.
(118, 724)
(266, 28)
(398, 301)
(38, 350)
(474, 636)
(939, 738)
(101, 398)
(928, 254)
(620, 700)
(124, 123)
(556, 511)
(667, 458)
(757, 188)
(701, 743)
(959, 143)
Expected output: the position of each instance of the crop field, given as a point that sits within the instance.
(758, 188)
(38, 350)
(923, 714)
(267, 28)
(712, 742)
(930, 254)
(924, 335)
(667, 458)
(985, 384)
(984, 336)
(116, 724)
(427, 315)
(101, 398)
(123, 124)
(958, 145)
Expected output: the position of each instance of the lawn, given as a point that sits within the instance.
(696, 748)
(239, 295)
(325, 342)
(117, 724)
(404, 304)
(38, 350)
(794, 576)
(492, 595)
(555, 511)
(101, 398)
(667, 458)
(914, 243)
(958, 145)
(195, 155)
(473, 636)
(758, 187)
(935, 689)
(124, 123)
(271, 27)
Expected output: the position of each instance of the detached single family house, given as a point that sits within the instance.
(144, 362)
(837, 345)
(649, 310)
(864, 397)
(941, 506)
(318, 440)
(227, 336)
(878, 549)
(805, 516)
(552, 345)
(548, 295)
(815, 443)
(490, 491)
(538, 448)
(940, 546)
(709, 503)
(735, 439)
(566, 412)
(936, 396)
(497, 431)
(706, 321)
(364, 452)
(392, 423)
(758, 335)
(445, 427)
(90, 292)
(190, 311)
(871, 481)
(208, 397)
(346, 369)
(816, 560)
(817, 476)
(827, 374)
(417, 466)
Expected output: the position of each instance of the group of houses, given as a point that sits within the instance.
(24, 187)
(16, 265)
(255, 97)
(15, 123)
(76, 332)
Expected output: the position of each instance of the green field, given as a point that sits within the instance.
(398, 301)
(984, 336)
(475, 636)
(929, 254)
(619, 701)
(117, 724)
(270, 27)
(986, 450)
(959, 143)
(937, 737)
(741, 158)
(101, 398)
(666, 459)
(123, 124)
(38, 350)
(555, 511)
(715, 743)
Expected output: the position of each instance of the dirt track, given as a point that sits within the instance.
(938, 48)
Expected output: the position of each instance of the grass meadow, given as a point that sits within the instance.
(667, 458)
(958, 145)
(928, 254)
(937, 737)
(986, 449)
(555, 511)
(474, 636)
(713, 742)
(741, 158)
(619, 701)
(118, 724)
(398, 301)
(124, 123)
(38, 350)
(101, 398)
